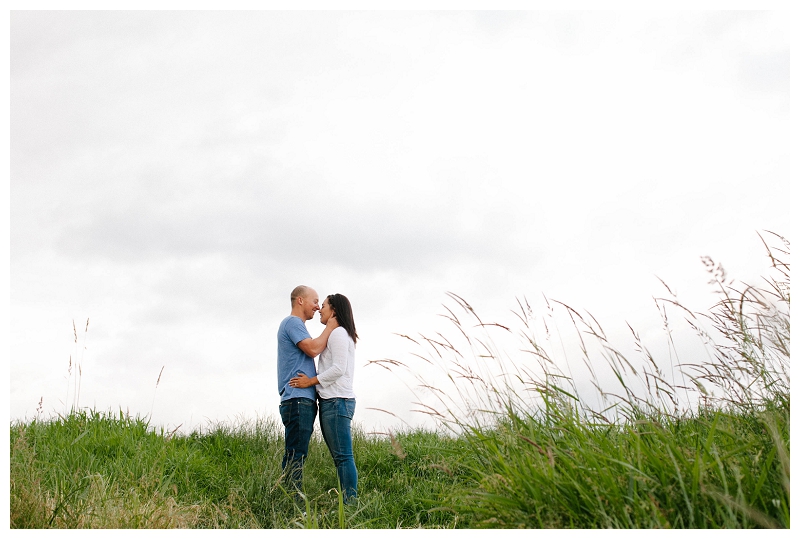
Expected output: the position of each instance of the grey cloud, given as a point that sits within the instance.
(379, 235)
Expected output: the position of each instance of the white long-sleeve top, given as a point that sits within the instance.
(336, 366)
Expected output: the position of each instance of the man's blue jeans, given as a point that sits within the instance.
(335, 416)
(298, 420)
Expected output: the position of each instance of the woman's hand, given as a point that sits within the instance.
(301, 381)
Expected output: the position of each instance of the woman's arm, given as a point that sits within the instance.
(337, 344)
(338, 348)
(301, 380)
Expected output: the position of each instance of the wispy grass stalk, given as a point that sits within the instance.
(695, 444)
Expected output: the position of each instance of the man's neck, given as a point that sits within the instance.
(298, 313)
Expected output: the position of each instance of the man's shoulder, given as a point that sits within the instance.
(291, 325)
(291, 320)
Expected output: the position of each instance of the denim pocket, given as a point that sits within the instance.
(348, 408)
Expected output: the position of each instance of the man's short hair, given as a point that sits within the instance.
(299, 292)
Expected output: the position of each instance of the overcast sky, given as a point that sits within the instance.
(175, 174)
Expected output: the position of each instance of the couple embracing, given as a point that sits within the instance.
(301, 385)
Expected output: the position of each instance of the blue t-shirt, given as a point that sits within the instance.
(292, 360)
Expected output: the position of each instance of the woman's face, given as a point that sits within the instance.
(325, 312)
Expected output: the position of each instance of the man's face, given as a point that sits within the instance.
(310, 304)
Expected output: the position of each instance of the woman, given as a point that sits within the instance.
(334, 379)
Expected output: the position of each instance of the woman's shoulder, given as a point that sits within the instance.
(340, 333)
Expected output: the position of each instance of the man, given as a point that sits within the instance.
(296, 352)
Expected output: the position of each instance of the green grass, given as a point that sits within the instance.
(518, 446)
(714, 469)
(101, 470)
(711, 470)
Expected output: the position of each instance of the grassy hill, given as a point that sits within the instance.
(641, 461)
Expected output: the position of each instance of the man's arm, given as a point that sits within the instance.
(313, 347)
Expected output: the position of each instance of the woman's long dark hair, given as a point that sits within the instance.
(344, 314)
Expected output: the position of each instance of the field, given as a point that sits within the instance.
(640, 461)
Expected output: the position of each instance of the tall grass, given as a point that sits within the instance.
(75, 367)
(706, 445)
(649, 442)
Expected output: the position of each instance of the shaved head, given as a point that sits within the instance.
(300, 292)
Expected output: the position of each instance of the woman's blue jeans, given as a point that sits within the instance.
(298, 420)
(335, 416)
